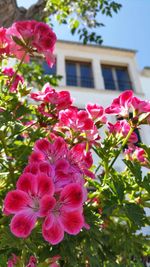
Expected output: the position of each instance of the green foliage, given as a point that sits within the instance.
(114, 211)
(83, 16)
(34, 74)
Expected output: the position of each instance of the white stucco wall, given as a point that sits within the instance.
(145, 82)
(97, 56)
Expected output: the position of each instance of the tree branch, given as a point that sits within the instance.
(10, 12)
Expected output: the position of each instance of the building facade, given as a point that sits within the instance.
(98, 74)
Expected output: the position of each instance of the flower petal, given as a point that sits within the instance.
(46, 204)
(43, 145)
(44, 185)
(27, 183)
(55, 233)
(48, 222)
(72, 221)
(72, 196)
(15, 201)
(22, 224)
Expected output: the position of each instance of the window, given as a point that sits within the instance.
(79, 74)
(43, 64)
(116, 78)
(48, 70)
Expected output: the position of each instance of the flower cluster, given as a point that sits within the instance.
(9, 72)
(51, 192)
(15, 261)
(127, 103)
(52, 188)
(4, 42)
(120, 129)
(51, 101)
(137, 154)
(77, 125)
(24, 38)
(132, 112)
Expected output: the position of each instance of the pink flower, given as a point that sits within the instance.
(26, 29)
(4, 42)
(135, 153)
(139, 154)
(58, 100)
(54, 260)
(50, 152)
(140, 106)
(27, 202)
(66, 215)
(121, 128)
(33, 37)
(80, 159)
(13, 261)
(54, 264)
(121, 105)
(64, 165)
(32, 262)
(96, 112)
(79, 122)
(47, 94)
(18, 79)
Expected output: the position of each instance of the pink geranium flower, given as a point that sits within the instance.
(79, 122)
(140, 106)
(27, 202)
(33, 37)
(13, 261)
(32, 262)
(54, 260)
(96, 112)
(64, 165)
(121, 105)
(58, 100)
(80, 159)
(50, 152)
(54, 264)
(138, 154)
(47, 94)
(4, 42)
(121, 128)
(18, 79)
(66, 215)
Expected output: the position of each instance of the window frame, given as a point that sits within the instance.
(115, 80)
(40, 60)
(79, 77)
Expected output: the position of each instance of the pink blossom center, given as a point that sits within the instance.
(35, 203)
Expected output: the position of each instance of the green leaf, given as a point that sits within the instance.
(135, 169)
(136, 213)
(146, 182)
(119, 188)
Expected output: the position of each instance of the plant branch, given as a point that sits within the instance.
(18, 67)
(122, 147)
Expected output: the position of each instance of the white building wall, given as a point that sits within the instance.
(97, 56)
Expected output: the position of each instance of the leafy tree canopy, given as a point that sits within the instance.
(81, 16)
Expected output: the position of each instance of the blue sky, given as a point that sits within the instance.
(130, 28)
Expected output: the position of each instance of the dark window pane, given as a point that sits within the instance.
(123, 79)
(71, 73)
(108, 78)
(86, 77)
(138, 136)
(48, 70)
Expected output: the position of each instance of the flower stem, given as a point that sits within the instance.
(11, 170)
(121, 148)
(18, 67)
